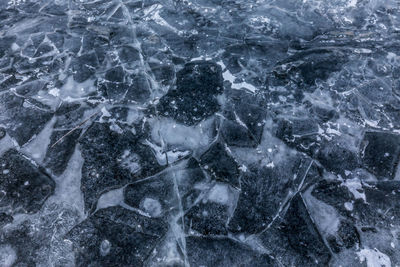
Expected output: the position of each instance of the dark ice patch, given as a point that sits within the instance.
(380, 153)
(84, 66)
(9, 81)
(294, 240)
(115, 237)
(194, 98)
(58, 155)
(209, 251)
(333, 193)
(207, 218)
(163, 73)
(23, 118)
(346, 237)
(24, 186)
(244, 123)
(113, 159)
(115, 74)
(377, 213)
(381, 209)
(5, 219)
(235, 134)
(313, 65)
(122, 86)
(299, 133)
(336, 156)
(220, 164)
(43, 49)
(128, 55)
(5, 44)
(69, 115)
(265, 190)
(2, 133)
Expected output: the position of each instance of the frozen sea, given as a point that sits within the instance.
(205, 133)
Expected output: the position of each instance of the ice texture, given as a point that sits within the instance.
(199, 133)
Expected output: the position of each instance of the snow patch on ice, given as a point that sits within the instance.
(68, 185)
(324, 215)
(179, 135)
(228, 76)
(355, 187)
(270, 165)
(110, 199)
(54, 92)
(352, 3)
(219, 194)
(105, 247)
(8, 256)
(6, 143)
(151, 206)
(348, 206)
(72, 90)
(374, 258)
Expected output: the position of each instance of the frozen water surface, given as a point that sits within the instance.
(200, 133)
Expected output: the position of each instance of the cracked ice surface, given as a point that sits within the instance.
(199, 133)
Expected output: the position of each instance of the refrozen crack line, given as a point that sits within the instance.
(180, 215)
(288, 200)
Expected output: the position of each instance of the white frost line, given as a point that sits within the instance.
(154, 10)
(201, 58)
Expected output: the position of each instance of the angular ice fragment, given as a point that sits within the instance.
(380, 153)
(17, 194)
(194, 98)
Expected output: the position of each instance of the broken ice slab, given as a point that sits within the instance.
(59, 154)
(309, 66)
(380, 153)
(367, 214)
(265, 192)
(243, 122)
(167, 192)
(121, 86)
(218, 162)
(194, 98)
(294, 239)
(23, 117)
(84, 66)
(115, 237)
(70, 114)
(338, 156)
(299, 133)
(235, 134)
(155, 196)
(24, 185)
(222, 251)
(210, 213)
(113, 157)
